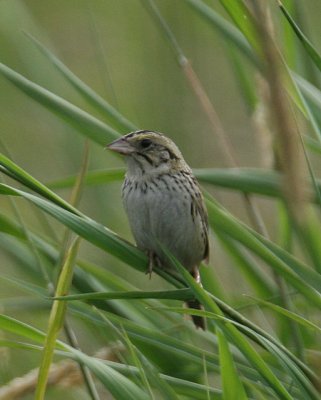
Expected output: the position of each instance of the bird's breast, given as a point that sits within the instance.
(163, 211)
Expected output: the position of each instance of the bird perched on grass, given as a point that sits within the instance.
(163, 203)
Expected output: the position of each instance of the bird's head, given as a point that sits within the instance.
(149, 153)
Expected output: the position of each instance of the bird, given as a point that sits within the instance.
(164, 204)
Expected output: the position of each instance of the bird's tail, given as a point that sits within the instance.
(199, 322)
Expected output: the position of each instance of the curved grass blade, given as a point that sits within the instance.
(148, 373)
(88, 229)
(278, 259)
(233, 334)
(269, 345)
(242, 18)
(312, 94)
(234, 35)
(93, 232)
(179, 350)
(315, 57)
(246, 180)
(307, 274)
(20, 175)
(260, 282)
(192, 390)
(120, 387)
(100, 104)
(12, 325)
(105, 239)
(234, 315)
(79, 119)
(176, 349)
(88, 277)
(229, 32)
(289, 314)
(77, 220)
(181, 386)
(180, 294)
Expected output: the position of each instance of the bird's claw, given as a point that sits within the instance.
(150, 264)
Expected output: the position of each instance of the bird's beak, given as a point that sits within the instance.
(121, 146)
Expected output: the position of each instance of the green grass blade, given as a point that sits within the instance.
(83, 122)
(100, 104)
(269, 345)
(310, 95)
(244, 80)
(29, 181)
(88, 276)
(246, 180)
(312, 144)
(187, 388)
(306, 274)
(242, 18)
(231, 383)
(310, 49)
(107, 240)
(289, 314)
(233, 35)
(260, 282)
(25, 286)
(78, 225)
(180, 294)
(189, 351)
(88, 229)
(56, 320)
(278, 259)
(119, 386)
(148, 373)
(12, 325)
(100, 177)
(229, 32)
(289, 48)
(227, 310)
(181, 386)
(234, 335)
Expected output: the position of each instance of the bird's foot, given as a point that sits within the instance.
(153, 261)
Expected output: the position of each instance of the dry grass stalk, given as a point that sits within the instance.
(288, 147)
(65, 374)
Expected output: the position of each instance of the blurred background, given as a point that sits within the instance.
(116, 48)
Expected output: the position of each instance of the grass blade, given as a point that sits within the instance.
(180, 294)
(56, 320)
(234, 335)
(229, 32)
(20, 175)
(310, 49)
(289, 314)
(88, 229)
(231, 383)
(221, 220)
(100, 104)
(242, 18)
(83, 122)
(100, 177)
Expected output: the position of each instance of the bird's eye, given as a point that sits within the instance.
(145, 143)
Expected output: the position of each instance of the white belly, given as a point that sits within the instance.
(162, 217)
